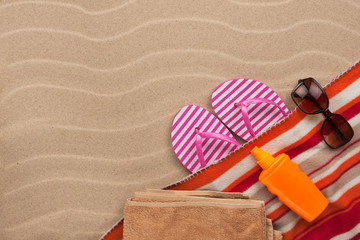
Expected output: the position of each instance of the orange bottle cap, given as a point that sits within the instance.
(264, 159)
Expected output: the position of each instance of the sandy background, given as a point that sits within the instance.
(89, 90)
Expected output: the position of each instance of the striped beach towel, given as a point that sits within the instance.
(335, 172)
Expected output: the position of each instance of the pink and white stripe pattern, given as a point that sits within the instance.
(183, 137)
(261, 115)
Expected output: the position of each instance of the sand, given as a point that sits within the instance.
(89, 90)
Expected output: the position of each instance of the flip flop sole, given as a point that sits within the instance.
(261, 115)
(183, 137)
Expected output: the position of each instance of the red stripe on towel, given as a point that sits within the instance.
(334, 224)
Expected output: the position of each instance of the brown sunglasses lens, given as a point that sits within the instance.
(310, 97)
(336, 131)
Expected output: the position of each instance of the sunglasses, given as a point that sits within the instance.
(311, 98)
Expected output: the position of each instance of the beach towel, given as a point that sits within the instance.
(335, 172)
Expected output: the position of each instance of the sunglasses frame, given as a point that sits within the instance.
(301, 82)
(326, 112)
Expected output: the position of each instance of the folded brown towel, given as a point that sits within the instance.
(210, 194)
(158, 214)
(277, 235)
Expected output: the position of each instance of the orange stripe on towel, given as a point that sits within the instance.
(116, 233)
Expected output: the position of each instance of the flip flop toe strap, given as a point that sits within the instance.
(244, 112)
(217, 136)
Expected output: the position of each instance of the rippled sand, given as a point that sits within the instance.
(89, 90)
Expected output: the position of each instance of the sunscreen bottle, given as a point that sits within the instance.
(292, 186)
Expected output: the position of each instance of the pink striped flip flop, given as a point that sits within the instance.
(199, 138)
(247, 106)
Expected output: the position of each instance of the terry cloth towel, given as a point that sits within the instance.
(335, 172)
(271, 233)
(195, 215)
